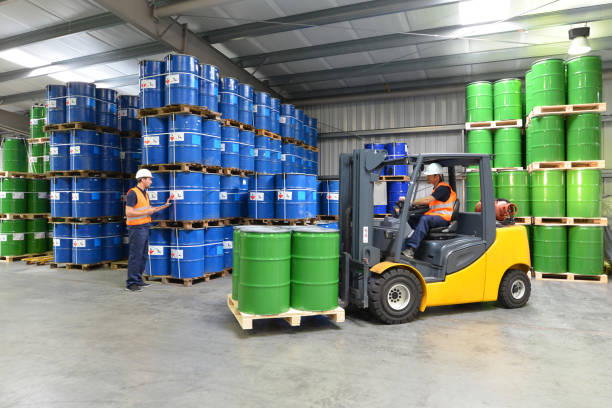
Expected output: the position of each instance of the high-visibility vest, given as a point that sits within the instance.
(142, 203)
(443, 209)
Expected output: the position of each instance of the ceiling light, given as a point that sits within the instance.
(579, 44)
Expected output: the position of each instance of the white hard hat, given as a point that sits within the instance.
(143, 173)
(432, 169)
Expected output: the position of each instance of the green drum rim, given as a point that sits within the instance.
(594, 57)
(542, 60)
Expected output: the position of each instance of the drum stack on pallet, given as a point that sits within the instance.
(394, 179)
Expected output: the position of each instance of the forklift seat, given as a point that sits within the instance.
(449, 231)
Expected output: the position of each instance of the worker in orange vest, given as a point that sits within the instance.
(138, 212)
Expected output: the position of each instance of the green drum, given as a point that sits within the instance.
(550, 249)
(584, 79)
(14, 157)
(585, 250)
(508, 148)
(38, 153)
(479, 141)
(38, 196)
(37, 121)
(529, 229)
(583, 193)
(236, 263)
(547, 139)
(507, 99)
(584, 137)
(479, 102)
(514, 186)
(50, 236)
(472, 189)
(12, 196)
(548, 82)
(265, 270)
(12, 237)
(528, 93)
(36, 237)
(315, 256)
(528, 146)
(524, 105)
(548, 193)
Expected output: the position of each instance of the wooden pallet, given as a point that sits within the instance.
(523, 220)
(131, 133)
(275, 221)
(15, 258)
(183, 167)
(239, 125)
(122, 264)
(84, 173)
(495, 124)
(496, 169)
(293, 316)
(290, 140)
(571, 221)
(264, 132)
(196, 224)
(23, 216)
(312, 148)
(567, 165)
(21, 174)
(82, 267)
(234, 172)
(327, 217)
(38, 260)
(85, 220)
(167, 279)
(566, 110)
(570, 277)
(179, 109)
(234, 221)
(394, 178)
(38, 140)
(61, 127)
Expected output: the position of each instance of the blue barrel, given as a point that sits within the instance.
(209, 87)
(62, 243)
(275, 156)
(395, 190)
(299, 159)
(274, 115)
(86, 197)
(328, 225)
(229, 197)
(245, 104)
(128, 117)
(307, 161)
(80, 102)
(186, 190)
(287, 120)
(187, 253)
(262, 111)
(329, 196)
(106, 107)
(154, 140)
(110, 151)
(85, 151)
(261, 196)
(56, 104)
(131, 154)
(288, 158)
(158, 256)
(158, 193)
(296, 196)
(112, 241)
(247, 150)
(182, 85)
(211, 143)
(228, 246)
(151, 75)
(230, 147)
(86, 243)
(243, 196)
(298, 130)
(396, 151)
(111, 197)
(211, 189)
(228, 101)
(61, 197)
(315, 162)
(262, 154)
(185, 141)
(213, 249)
(374, 146)
(59, 151)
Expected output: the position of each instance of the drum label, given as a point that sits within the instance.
(151, 140)
(283, 157)
(228, 244)
(284, 195)
(282, 119)
(333, 196)
(254, 108)
(53, 151)
(255, 152)
(223, 195)
(75, 196)
(71, 101)
(2, 194)
(43, 195)
(148, 83)
(177, 194)
(222, 147)
(173, 79)
(3, 238)
(40, 235)
(254, 196)
(45, 158)
(122, 155)
(32, 159)
(75, 149)
(17, 196)
(122, 112)
(177, 137)
(51, 103)
(56, 242)
(78, 243)
(152, 195)
(19, 237)
(155, 250)
(176, 253)
(54, 195)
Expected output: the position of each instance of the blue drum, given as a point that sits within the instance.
(111, 197)
(182, 85)
(213, 249)
(274, 115)
(86, 197)
(230, 147)
(243, 196)
(247, 150)
(106, 108)
(85, 151)
(80, 102)
(229, 196)
(187, 195)
(112, 241)
(228, 246)
(395, 190)
(298, 130)
(185, 141)
(262, 155)
(62, 243)
(275, 156)
(110, 152)
(211, 189)
(187, 253)
(329, 196)
(245, 104)
(61, 197)
(211, 143)
(56, 104)
(228, 101)
(154, 140)
(296, 196)
(396, 151)
(86, 243)
(263, 111)
(59, 151)
(287, 120)
(288, 164)
(299, 159)
(158, 256)
(131, 154)
(128, 117)
(158, 193)
(329, 225)
(151, 75)
(209, 87)
(262, 195)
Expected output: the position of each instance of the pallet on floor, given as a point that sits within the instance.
(82, 267)
(85, 220)
(571, 221)
(230, 171)
(183, 167)
(567, 165)
(573, 277)
(239, 125)
(39, 140)
(80, 126)
(195, 224)
(277, 221)
(122, 264)
(15, 258)
(167, 279)
(178, 109)
(23, 216)
(577, 109)
(293, 316)
(322, 217)
(84, 173)
(394, 178)
(38, 260)
(264, 132)
(494, 124)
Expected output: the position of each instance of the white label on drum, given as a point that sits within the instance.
(223, 195)
(151, 140)
(282, 119)
(152, 195)
(147, 83)
(18, 237)
(222, 147)
(40, 235)
(177, 137)
(173, 79)
(75, 196)
(71, 101)
(18, 196)
(53, 151)
(254, 108)
(126, 240)
(3, 238)
(333, 196)
(43, 195)
(228, 244)
(78, 243)
(56, 242)
(176, 253)
(75, 149)
(122, 112)
(155, 250)
(51, 103)
(256, 196)
(284, 195)
(122, 155)
(255, 152)
(33, 159)
(45, 158)
(283, 157)
(54, 195)
(177, 194)
(2, 194)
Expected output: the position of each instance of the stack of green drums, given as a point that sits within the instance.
(38, 196)
(14, 155)
(479, 108)
(13, 196)
(12, 237)
(514, 187)
(37, 121)
(36, 236)
(507, 105)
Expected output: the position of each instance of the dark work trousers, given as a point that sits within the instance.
(421, 224)
(139, 246)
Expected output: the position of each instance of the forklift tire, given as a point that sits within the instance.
(514, 289)
(395, 296)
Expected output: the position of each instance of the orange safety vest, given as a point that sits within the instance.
(443, 209)
(142, 203)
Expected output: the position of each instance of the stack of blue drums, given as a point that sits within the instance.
(396, 151)
(329, 196)
(193, 253)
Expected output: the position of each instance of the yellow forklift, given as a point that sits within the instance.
(474, 259)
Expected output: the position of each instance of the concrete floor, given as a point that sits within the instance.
(77, 339)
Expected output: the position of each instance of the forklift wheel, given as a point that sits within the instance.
(514, 289)
(395, 296)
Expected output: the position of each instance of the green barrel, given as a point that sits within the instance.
(479, 102)
(547, 138)
(528, 93)
(36, 237)
(583, 193)
(508, 148)
(584, 137)
(236, 263)
(472, 189)
(529, 229)
(528, 146)
(548, 193)
(12, 237)
(550, 249)
(12, 196)
(585, 250)
(50, 236)
(38, 157)
(584, 79)
(14, 155)
(315, 257)
(38, 196)
(548, 82)
(37, 121)
(524, 104)
(479, 141)
(507, 99)
(514, 186)
(265, 270)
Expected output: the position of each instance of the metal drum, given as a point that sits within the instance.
(182, 80)
(315, 258)
(228, 246)
(584, 79)
(187, 193)
(585, 246)
(229, 196)
(286, 120)
(396, 151)
(154, 140)
(85, 150)
(299, 159)
(128, 117)
(111, 197)
(479, 101)
(209, 87)
(235, 261)
(547, 138)
(514, 186)
(39, 158)
(245, 104)
(211, 188)
(472, 190)
(130, 155)
(246, 150)
(275, 156)
(112, 245)
(230, 147)
(62, 243)
(265, 270)
(56, 104)
(185, 141)
(274, 115)
(14, 155)
(110, 152)
(296, 196)
(106, 108)
(211, 143)
(288, 158)
(12, 196)
(480, 141)
(158, 193)
(262, 155)
(80, 102)
(61, 197)
(158, 256)
(549, 249)
(528, 93)
(584, 193)
(395, 190)
(187, 253)
(329, 196)
(548, 82)
(213, 249)
(584, 137)
(262, 196)
(548, 193)
(243, 196)
(87, 197)
(86, 243)
(36, 236)
(12, 237)
(507, 99)
(59, 151)
(38, 196)
(298, 130)
(228, 102)
(37, 121)
(508, 148)
(151, 75)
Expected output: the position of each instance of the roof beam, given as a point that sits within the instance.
(333, 15)
(14, 122)
(181, 7)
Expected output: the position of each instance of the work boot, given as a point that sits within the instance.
(134, 288)
(143, 284)
(408, 252)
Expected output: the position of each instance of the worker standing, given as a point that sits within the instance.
(138, 212)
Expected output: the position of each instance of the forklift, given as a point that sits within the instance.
(475, 258)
